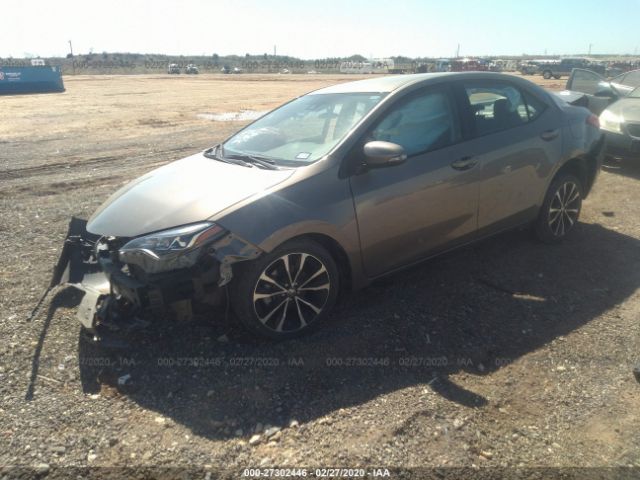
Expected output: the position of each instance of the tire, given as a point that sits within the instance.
(557, 77)
(288, 292)
(546, 74)
(561, 209)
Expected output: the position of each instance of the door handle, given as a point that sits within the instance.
(549, 135)
(464, 163)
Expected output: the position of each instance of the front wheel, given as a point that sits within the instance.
(560, 210)
(546, 74)
(287, 292)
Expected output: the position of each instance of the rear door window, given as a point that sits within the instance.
(535, 107)
(496, 106)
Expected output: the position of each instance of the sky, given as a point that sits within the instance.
(312, 29)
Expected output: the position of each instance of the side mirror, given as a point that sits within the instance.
(383, 154)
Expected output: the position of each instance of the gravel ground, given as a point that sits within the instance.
(506, 356)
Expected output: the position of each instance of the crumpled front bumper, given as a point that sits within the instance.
(77, 268)
(114, 294)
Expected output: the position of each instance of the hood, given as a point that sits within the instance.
(186, 191)
(627, 108)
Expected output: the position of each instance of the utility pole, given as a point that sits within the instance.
(274, 51)
(590, 45)
(458, 51)
(73, 62)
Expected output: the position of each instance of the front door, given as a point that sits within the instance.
(427, 203)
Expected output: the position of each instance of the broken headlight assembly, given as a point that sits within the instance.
(169, 249)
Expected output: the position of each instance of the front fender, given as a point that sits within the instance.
(236, 249)
(229, 250)
(319, 204)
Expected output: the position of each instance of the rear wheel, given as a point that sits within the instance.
(287, 292)
(557, 77)
(560, 210)
(546, 74)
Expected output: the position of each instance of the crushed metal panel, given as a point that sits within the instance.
(71, 266)
(229, 250)
(88, 308)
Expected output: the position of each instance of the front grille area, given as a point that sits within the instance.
(634, 129)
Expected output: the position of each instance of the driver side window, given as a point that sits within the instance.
(423, 123)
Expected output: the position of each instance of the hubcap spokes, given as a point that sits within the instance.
(291, 292)
(564, 209)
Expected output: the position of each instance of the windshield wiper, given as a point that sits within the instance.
(262, 161)
(212, 153)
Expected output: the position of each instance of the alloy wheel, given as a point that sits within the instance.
(291, 292)
(564, 208)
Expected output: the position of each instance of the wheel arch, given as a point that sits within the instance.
(337, 252)
(342, 243)
(584, 168)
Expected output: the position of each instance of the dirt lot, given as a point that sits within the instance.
(505, 354)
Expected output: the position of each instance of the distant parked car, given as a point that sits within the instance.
(566, 66)
(611, 72)
(173, 69)
(331, 191)
(617, 101)
(191, 69)
(237, 70)
(469, 65)
(225, 69)
(528, 68)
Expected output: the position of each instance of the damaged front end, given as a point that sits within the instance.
(124, 280)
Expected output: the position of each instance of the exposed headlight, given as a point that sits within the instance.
(174, 241)
(611, 122)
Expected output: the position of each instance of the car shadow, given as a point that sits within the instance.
(474, 310)
(64, 298)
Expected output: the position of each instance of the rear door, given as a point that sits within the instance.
(517, 142)
(597, 90)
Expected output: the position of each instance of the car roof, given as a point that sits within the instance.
(389, 83)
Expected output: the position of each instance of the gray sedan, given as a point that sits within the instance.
(329, 192)
(617, 101)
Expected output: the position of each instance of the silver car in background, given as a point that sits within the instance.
(617, 102)
(329, 192)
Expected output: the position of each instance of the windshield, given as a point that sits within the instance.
(303, 130)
